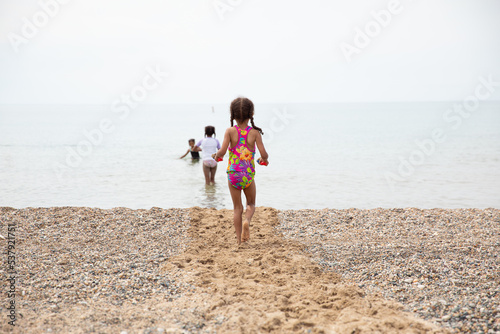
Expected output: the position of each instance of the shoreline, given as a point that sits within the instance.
(223, 208)
(143, 271)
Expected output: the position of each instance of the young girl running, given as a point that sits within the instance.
(208, 147)
(241, 140)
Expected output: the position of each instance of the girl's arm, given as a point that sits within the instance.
(260, 146)
(223, 148)
(185, 154)
(197, 147)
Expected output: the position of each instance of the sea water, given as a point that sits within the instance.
(321, 156)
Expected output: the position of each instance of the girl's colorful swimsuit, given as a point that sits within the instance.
(241, 167)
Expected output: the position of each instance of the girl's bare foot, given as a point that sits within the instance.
(245, 234)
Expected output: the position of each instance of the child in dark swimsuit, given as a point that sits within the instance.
(193, 150)
(241, 141)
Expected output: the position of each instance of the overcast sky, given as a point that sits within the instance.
(283, 51)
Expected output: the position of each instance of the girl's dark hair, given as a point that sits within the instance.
(242, 109)
(209, 130)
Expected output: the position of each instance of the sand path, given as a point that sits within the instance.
(269, 285)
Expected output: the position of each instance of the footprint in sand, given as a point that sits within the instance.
(245, 234)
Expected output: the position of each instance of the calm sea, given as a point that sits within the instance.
(337, 156)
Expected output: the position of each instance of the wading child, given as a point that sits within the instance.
(241, 141)
(209, 146)
(193, 150)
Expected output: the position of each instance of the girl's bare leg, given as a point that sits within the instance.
(206, 171)
(250, 194)
(212, 174)
(238, 210)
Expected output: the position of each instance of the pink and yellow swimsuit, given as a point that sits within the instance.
(241, 167)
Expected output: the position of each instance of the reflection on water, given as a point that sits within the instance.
(194, 162)
(211, 196)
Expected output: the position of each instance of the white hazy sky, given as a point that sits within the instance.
(283, 51)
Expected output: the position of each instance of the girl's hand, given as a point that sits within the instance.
(262, 161)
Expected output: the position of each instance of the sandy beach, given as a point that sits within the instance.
(88, 270)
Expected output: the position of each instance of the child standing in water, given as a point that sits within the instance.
(193, 150)
(209, 146)
(241, 141)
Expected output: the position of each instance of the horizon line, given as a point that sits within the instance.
(215, 103)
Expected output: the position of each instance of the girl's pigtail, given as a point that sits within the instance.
(256, 127)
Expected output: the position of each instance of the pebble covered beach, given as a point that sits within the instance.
(89, 270)
(87, 262)
(443, 265)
